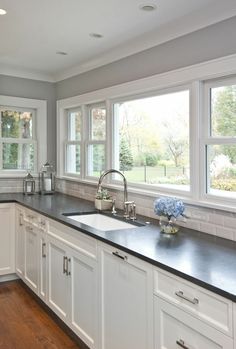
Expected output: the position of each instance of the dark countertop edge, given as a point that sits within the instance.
(153, 262)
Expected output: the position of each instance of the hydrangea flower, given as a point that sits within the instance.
(169, 207)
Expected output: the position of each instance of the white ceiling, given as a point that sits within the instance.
(34, 30)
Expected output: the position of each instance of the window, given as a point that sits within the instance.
(73, 144)
(220, 138)
(18, 142)
(86, 130)
(170, 134)
(23, 146)
(151, 140)
(97, 140)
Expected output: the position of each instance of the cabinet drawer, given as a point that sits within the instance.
(176, 329)
(73, 238)
(207, 306)
(35, 219)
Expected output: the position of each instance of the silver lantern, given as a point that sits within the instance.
(28, 184)
(46, 179)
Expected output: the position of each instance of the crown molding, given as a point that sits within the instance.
(186, 25)
(25, 73)
(171, 31)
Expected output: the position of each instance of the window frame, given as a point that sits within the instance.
(154, 93)
(196, 75)
(89, 141)
(73, 142)
(39, 132)
(208, 139)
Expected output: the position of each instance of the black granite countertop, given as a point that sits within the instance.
(203, 259)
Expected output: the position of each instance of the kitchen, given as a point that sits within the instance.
(159, 58)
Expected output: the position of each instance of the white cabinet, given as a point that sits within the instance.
(42, 264)
(20, 243)
(84, 297)
(58, 291)
(31, 257)
(31, 250)
(175, 328)
(126, 301)
(188, 316)
(72, 282)
(7, 239)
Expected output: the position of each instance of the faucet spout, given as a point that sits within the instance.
(105, 173)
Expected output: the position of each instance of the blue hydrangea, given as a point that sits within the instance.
(169, 207)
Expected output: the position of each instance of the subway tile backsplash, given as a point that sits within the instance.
(13, 185)
(210, 221)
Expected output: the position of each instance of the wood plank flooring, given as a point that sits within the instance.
(25, 324)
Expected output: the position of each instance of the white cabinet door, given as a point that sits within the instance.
(174, 328)
(42, 265)
(7, 239)
(84, 297)
(31, 257)
(58, 290)
(20, 243)
(126, 305)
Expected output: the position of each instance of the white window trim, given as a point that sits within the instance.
(40, 106)
(194, 75)
(207, 139)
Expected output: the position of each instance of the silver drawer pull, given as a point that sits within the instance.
(180, 342)
(119, 256)
(43, 249)
(20, 219)
(65, 265)
(181, 295)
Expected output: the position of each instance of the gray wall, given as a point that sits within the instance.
(208, 43)
(212, 42)
(26, 88)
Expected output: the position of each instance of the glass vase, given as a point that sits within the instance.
(168, 226)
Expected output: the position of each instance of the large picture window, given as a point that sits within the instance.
(170, 134)
(151, 140)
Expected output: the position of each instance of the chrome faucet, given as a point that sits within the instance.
(126, 202)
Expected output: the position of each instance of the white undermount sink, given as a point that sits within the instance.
(101, 222)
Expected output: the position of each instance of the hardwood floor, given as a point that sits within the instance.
(25, 324)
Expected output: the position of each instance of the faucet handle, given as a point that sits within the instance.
(113, 208)
(132, 214)
(127, 206)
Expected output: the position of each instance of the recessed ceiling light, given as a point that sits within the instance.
(96, 35)
(62, 53)
(2, 12)
(148, 7)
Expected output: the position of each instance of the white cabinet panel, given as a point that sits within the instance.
(7, 239)
(20, 243)
(205, 305)
(126, 307)
(31, 257)
(84, 298)
(175, 329)
(42, 265)
(57, 278)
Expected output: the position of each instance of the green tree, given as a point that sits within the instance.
(224, 117)
(126, 158)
